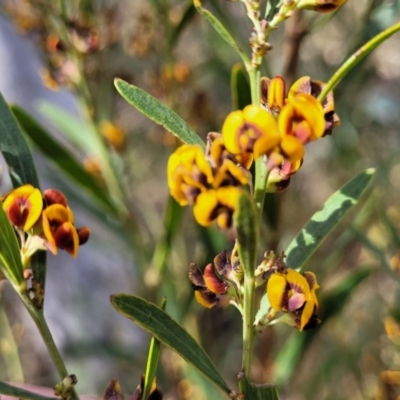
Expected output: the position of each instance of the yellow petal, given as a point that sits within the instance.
(265, 144)
(276, 93)
(306, 315)
(312, 112)
(302, 85)
(297, 282)
(231, 128)
(292, 149)
(277, 290)
(206, 204)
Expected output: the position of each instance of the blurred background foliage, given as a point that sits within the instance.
(118, 179)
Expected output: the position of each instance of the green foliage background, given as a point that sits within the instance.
(167, 49)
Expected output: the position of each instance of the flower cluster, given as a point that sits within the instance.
(288, 292)
(281, 127)
(210, 181)
(278, 129)
(43, 221)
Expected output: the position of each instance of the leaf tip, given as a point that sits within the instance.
(370, 171)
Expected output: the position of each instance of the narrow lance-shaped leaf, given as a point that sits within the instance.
(152, 360)
(158, 112)
(221, 30)
(322, 222)
(60, 156)
(13, 391)
(10, 257)
(15, 149)
(151, 318)
(246, 227)
(21, 168)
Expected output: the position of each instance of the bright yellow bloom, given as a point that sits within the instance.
(23, 206)
(218, 204)
(302, 117)
(314, 88)
(322, 6)
(189, 174)
(251, 130)
(292, 292)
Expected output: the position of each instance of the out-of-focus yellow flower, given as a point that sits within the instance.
(314, 88)
(392, 328)
(294, 293)
(114, 135)
(322, 6)
(189, 174)
(23, 206)
(219, 204)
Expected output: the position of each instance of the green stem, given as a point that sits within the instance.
(248, 321)
(40, 322)
(254, 75)
(261, 178)
(353, 60)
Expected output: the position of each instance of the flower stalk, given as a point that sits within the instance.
(41, 323)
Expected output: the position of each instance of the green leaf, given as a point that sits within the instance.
(15, 150)
(322, 222)
(240, 88)
(246, 228)
(258, 392)
(52, 149)
(10, 257)
(79, 131)
(21, 168)
(152, 360)
(19, 393)
(151, 318)
(221, 30)
(158, 112)
(332, 303)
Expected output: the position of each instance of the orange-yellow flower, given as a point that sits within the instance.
(314, 88)
(302, 117)
(189, 174)
(59, 229)
(294, 293)
(251, 130)
(209, 289)
(23, 206)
